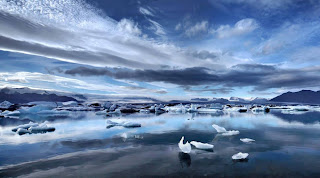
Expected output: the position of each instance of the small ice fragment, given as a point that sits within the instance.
(240, 156)
(41, 128)
(231, 132)
(22, 131)
(200, 145)
(25, 126)
(103, 112)
(185, 148)
(131, 124)
(247, 140)
(219, 129)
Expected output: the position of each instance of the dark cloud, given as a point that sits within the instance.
(259, 76)
(204, 54)
(188, 76)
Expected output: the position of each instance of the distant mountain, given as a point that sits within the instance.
(25, 95)
(303, 96)
(258, 100)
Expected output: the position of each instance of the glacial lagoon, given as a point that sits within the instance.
(286, 144)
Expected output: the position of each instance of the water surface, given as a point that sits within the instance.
(286, 145)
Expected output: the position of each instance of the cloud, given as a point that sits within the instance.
(289, 36)
(65, 82)
(128, 26)
(243, 26)
(146, 11)
(264, 5)
(198, 28)
(76, 32)
(259, 76)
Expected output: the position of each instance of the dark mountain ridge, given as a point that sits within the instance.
(303, 96)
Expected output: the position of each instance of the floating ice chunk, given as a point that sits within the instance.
(117, 111)
(70, 103)
(199, 145)
(41, 128)
(103, 112)
(22, 131)
(219, 129)
(224, 131)
(193, 108)
(230, 133)
(240, 156)
(131, 124)
(111, 123)
(208, 110)
(25, 126)
(247, 140)
(11, 113)
(5, 105)
(185, 148)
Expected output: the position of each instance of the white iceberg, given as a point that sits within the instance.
(41, 128)
(240, 156)
(117, 111)
(208, 110)
(219, 129)
(22, 131)
(247, 140)
(225, 132)
(185, 148)
(70, 103)
(11, 113)
(5, 104)
(231, 133)
(178, 108)
(111, 123)
(199, 145)
(103, 112)
(25, 126)
(131, 124)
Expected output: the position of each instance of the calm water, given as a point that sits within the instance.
(287, 145)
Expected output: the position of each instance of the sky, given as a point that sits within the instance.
(165, 49)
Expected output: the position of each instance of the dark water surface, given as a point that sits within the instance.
(287, 145)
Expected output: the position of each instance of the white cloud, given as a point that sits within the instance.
(198, 28)
(145, 11)
(157, 28)
(241, 27)
(23, 78)
(73, 31)
(287, 37)
(128, 26)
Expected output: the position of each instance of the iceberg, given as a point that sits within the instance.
(247, 140)
(208, 110)
(185, 148)
(225, 132)
(22, 131)
(103, 112)
(231, 133)
(240, 156)
(41, 128)
(199, 145)
(131, 124)
(219, 129)
(5, 105)
(25, 126)
(117, 111)
(11, 113)
(70, 103)
(111, 123)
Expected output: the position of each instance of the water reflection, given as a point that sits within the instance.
(185, 159)
(80, 141)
